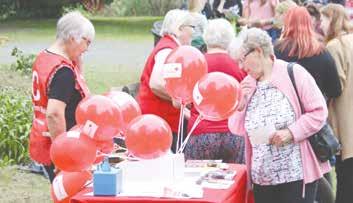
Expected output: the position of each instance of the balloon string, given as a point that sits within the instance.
(87, 184)
(182, 125)
(198, 120)
(179, 129)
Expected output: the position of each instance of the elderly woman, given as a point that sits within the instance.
(58, 85)
(212, 140)
(338, 32)
(176, 30)
(281, 163)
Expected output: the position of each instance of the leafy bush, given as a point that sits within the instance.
(15, 122)
(142, 8)
(7, 9)
(23, 62)
(76, 7)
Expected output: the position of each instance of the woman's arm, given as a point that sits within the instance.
(332, 85)
(157, 82)
(333, 49)
(56, 117)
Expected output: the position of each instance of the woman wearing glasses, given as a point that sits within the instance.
(281, 163)
(58, 85)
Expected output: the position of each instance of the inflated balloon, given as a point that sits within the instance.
(216, 96)
(67, 184)
(105, 146)
(73, 151)
(100, 117)
(148, 137)
(128, 106)
(184, 66)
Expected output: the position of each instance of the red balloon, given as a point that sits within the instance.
(105, 146)
(100, 117)
(185, 65)
(67, 184)
(216, 96)
(128, 106)
(73, 151)
(148, 137)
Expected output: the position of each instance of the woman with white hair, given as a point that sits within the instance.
(281, 162)
(58, 85)
(176, 30)
(212, 140)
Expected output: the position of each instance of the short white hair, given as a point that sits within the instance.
(173, 20)
(254, 37)
(219, 33)
(234, 48)
(74, 24)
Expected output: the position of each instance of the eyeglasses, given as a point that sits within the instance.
(242, 59)
(192, 26)
(87, 40)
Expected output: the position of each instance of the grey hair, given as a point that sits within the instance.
(234, 48)
(74, 24)
(173, 20)
(219, 33)
(255, 37)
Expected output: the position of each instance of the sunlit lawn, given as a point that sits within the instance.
(131, 28)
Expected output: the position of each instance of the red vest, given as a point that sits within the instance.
(44, 68)
(150, 103)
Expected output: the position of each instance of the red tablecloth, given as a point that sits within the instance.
(234, 194)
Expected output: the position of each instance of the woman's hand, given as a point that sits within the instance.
(281, 137)
(176, 104)
(245, 91)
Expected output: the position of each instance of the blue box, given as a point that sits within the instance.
(107, 183)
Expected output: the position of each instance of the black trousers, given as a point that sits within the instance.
(50, 171)
(324, 191)
(285, 193)
(344, 171)
(175, 135)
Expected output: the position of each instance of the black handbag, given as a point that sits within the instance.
(324, 142)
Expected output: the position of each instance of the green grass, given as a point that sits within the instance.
(22, 187)
(100, 80)
(18, 81)
(127, 28)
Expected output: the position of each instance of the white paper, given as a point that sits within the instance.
(58, 187)
(218, 184)
(90, 128)
(172, 70)
(262, 135)
(197, 95)
(73, 134)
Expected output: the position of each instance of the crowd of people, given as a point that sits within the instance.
(314, 39)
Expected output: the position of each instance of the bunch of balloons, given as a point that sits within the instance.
(99, 119)
(215, 95)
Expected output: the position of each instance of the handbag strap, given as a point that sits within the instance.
(291, 76)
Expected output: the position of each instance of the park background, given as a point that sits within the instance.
(115, 58)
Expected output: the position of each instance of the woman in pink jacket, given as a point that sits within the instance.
(281, 163)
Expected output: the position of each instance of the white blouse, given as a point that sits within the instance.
(272, 165)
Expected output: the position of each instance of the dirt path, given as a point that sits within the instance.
(105, 52)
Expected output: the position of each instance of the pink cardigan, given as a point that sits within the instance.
(305, 125)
